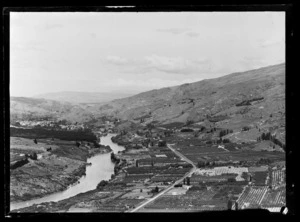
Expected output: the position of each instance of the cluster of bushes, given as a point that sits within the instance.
(173, 125)
(162, 143)
(245, 128)
(226, 141)
(114, 159)
(264, 161)
(102, 184)
(202, 163)
(185, 130)
(248, 102)
(81, 135)
(218, 141)
(31, 156)
(187, 181)
(19, 163)
(155, 190)
(202, 128)
(189, 122)
(225, 132)
(268, 136)
(217, 118)
(205, 163)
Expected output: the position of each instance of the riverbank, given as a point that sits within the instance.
(54, 171)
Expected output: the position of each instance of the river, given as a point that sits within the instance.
(101, 169)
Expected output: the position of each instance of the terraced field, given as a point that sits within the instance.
(252, 197)
(274, 198)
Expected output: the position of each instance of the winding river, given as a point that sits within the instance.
(101, 169)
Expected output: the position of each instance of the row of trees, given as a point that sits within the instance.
(218, 141)
(187, 181)
(84, 135)
(225, 132)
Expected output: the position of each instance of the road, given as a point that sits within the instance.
(181, 156)
(188, 174)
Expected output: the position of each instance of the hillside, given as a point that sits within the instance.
(212, 97)
(22, 108)
(255, 97)
(83, 97)
(245, 97)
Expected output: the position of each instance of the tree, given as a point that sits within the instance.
(231, 180)
(162, 143)
(188, 181)
(137, 163)
(35, 141)
(34, 156)
(229, 204)
(236, 205)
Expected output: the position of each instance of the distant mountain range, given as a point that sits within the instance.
(83, 97)
(251, 96)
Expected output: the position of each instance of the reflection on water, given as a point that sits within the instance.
(101, 169)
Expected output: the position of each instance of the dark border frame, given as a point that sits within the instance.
(233, 7)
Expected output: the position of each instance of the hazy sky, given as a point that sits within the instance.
(102, 52)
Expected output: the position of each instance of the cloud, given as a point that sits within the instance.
(93, 35)
(27, 47)
(175, 31)
(154, 63)
(251, 62)
(117, 60)
(152, 83)
(270, 43)
(52, 26)
(193, 34)
(177, 65)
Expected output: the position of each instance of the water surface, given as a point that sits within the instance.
(101, 169)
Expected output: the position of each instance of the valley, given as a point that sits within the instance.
(201, 146)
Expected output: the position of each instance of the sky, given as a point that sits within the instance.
(133, 52)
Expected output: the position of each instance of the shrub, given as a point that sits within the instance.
(186, 130)
(102, 184)
(162, 143)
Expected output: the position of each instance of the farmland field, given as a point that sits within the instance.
(223, 170)
(252, 197)
(278, 177)
(240, 155)
(260, 178)
(274, 198)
